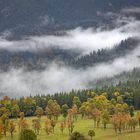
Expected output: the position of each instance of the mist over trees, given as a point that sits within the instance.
(106, 55)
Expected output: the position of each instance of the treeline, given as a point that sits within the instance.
(129, 91)
(133, 75)
(35, 60)
(106, 55)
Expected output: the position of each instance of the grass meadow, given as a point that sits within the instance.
(81, 126)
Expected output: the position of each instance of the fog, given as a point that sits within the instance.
(17, 82)
(85, 40)
(131, 10)
(56, 79)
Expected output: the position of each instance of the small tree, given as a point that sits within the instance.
(48, 127)
(23, 124)
(21, 115)
(82, 110)
(64, 110)
(62, 126)
(1, 131)
(138, 117)
(5, 121)
(52, 109)
(53, 124)
(91, 133)
(39, 112)
(27, 134)
(70, 126)
(133, 123)
(11, 128)
(105, 118)
(36, 125)
(76, 101)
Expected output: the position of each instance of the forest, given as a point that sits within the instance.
(112, 106)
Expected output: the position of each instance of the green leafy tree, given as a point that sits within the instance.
(82, 110)
(64, 110)
(76, 101)
(105, 118)
(91, 133)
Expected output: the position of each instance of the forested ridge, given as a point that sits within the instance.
(41, 59)
(133, 75)
(106, 55)
(26, 17)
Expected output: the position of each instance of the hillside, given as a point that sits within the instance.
(60, 45)
(31, 17)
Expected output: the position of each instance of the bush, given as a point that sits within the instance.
(77, 136)
(27, 134)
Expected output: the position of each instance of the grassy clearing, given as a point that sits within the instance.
(82, 126)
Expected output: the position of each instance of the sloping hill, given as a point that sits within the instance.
(29, 17)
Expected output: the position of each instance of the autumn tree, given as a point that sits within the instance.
(62, 126)
(133, 123)
(119, 100)
(118, 121)
(48, 126)
(39, 112)
(21, 115)
(22, 122)
(70, 124)
(101, 102)
(1, 130)
(11, 128)
(5, 121)
(53, 109)
(73, 113)
(96, 115)
(53, 124)
(36, 125)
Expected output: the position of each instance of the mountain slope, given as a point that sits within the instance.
(29, 17)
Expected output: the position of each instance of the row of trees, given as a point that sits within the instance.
(100, 108)
(129, 91)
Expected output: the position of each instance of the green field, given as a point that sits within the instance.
(81, 126)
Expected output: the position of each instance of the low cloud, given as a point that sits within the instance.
(85, 40)
(17, 82)
(131, 10)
